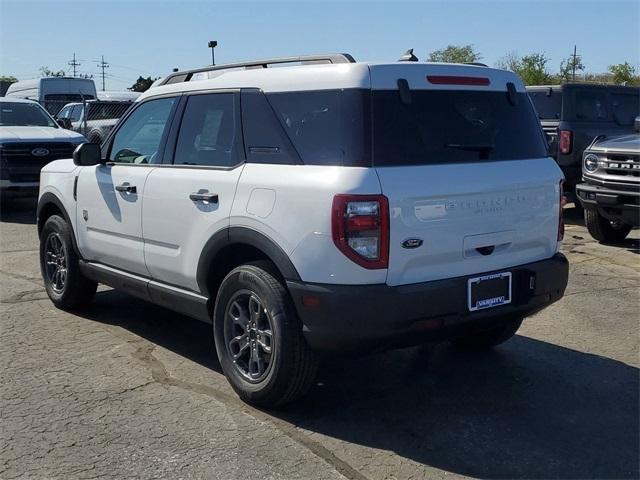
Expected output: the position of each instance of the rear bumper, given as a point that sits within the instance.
(614, 204)
(358, 317)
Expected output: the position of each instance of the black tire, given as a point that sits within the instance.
(490, 338)
(292, 366)
(76, 290)
(603, 229)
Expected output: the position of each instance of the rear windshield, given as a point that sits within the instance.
(548, 104)
(440, 126)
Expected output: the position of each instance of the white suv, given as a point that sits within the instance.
(325, 207)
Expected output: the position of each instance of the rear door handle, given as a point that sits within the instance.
(204, 197)
(126, 187)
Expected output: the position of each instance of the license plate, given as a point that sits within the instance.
(489, 291)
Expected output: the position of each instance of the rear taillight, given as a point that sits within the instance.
(360, 228)
(563, 201)
(566, 142)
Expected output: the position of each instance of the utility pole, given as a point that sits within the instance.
(74, 64)
(574, 62)
(103, 65)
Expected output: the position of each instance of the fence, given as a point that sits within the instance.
(94, 118)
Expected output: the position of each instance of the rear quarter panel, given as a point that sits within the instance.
(291, 205)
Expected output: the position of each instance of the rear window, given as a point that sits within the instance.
(548, 104)
(328, 127)
(453, 126)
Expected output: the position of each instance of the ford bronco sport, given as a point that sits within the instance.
(330, 206)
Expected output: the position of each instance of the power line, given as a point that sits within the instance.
(74, 63)
(103, 65)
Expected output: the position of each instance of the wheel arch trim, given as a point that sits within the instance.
(241, 236)
(49, 198)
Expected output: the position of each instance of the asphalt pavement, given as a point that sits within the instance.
(130, 390)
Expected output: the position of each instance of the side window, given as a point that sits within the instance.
(327, 127)
(209, 132)
(140, 136)
(76, 113)
(64, 113)
(591, 106)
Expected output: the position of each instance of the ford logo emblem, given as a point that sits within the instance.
(39, 152)
(412, 243)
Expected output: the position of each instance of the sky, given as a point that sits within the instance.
(151, 37)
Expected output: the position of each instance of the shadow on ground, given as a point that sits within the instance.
(528, 409)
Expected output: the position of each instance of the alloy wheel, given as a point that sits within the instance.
(248, 335)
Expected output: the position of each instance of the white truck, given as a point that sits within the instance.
(53, 93)
(29, 139)
(325, 207)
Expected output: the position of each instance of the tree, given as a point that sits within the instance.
(8, 78)
(47, 72)
(532, 68)
(623, 74)
(510, 61)
(568, 66)
(142, 84)
(455, 54)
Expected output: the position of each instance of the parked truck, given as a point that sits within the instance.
(572, 115)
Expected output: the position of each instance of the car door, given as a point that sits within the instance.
(109, 195)
(189, 200)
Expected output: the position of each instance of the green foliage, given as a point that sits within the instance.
(532, 68)
(567, 68)
(142, 84)
(624, 74)
(455, 54)
(8, 78)
(47, 72)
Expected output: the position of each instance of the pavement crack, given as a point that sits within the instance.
(159, 373)
(19, 276)
(20, 297)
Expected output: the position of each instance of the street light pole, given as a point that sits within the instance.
(212, 45)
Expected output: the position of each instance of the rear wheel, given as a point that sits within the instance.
(603, 229)
(259, 339)
(490, 338)
(66, 286)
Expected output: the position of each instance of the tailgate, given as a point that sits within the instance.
(471, 218)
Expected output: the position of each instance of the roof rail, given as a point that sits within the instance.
(186, 75)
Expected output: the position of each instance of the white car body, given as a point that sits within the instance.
(157, 235)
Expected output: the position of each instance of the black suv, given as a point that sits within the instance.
(572, 115)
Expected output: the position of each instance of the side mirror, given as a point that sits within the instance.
(64, 123)
(636, 124)
(87, 154)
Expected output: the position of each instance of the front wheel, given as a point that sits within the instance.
(490, 338)
(65, 284)
(259, 339)
(603, 229)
